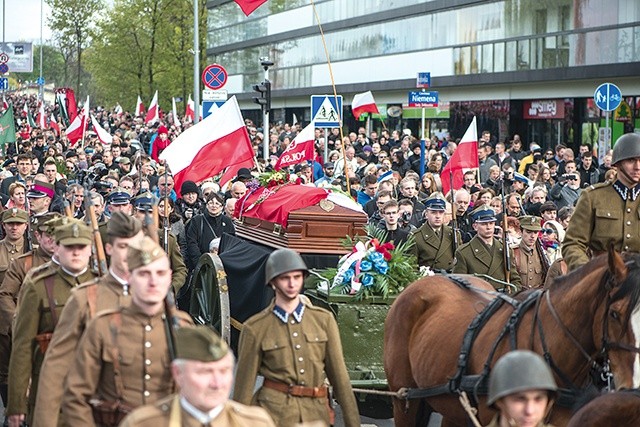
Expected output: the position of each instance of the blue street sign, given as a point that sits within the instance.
(214, 76)
(4, 83)
(209, 107)
(423, 99)
(424, 80)
(4, 68)
(326, 111)
(607, 97)
(40, 81)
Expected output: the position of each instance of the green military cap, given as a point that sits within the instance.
(40, 222)
(143, 252)
(51, 225)
(200, 343)
(530, 223)
(123, 225)
(73, 232)
(15, 215)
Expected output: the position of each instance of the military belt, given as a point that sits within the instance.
(296, 390)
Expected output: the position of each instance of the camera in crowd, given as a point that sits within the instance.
(569, 177)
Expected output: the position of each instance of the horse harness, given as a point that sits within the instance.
(477, 384)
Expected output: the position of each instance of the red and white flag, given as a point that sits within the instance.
(118, 109)
(153, 113)
(248, 6)
(139, 107)
(41, 118)
(364, 103)
(176, 120)
(207, 148)
(53, 124)
(76, 129)
(299, 150)
(104, 136)
(25, 110)
(464, 158)
(189, 114)
(5, 104)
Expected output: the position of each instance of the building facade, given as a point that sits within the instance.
(529, 67)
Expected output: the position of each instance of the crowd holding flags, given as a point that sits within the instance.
(464, 158)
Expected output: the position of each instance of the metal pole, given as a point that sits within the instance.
(265, 125)
(196, 65)
(41, 43)
(326, 144)
(3, 21)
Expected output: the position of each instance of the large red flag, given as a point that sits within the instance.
(300, 149)
(364, 103)
(204, 150)
(248, 6)
(465, 157)
(139, 107)
(190, 114)
(76, 129)
(153, 113)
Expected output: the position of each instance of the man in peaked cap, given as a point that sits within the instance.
(484, 253)
(119, 200)
(203, 372)
(40, 196)
(108, 292)
(434, 246)
(42, 299)
(530, 260)
(135, 335)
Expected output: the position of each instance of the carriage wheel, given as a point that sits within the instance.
(210, 295)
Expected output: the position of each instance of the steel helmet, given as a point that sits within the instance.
(626, 147)
(283, 261)
(517, 371)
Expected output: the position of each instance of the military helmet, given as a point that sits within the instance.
(626, 147)
(283, 261)
(519, 370)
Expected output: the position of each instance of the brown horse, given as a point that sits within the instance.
(619, 409)
(587, 316)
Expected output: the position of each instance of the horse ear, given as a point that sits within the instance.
(616, 265)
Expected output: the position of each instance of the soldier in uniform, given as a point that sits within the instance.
(531, 262)
(293, 344)
(143, 206)
(522, 389)
(434, 246)
(40, 303)
(203, 372)
(110, 291)
(122, 361)
(607, 213)
(484, 253)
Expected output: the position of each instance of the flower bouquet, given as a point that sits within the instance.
(372, 268)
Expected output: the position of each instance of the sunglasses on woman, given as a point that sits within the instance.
(547, 231)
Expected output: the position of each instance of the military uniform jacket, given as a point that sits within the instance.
(33, 317)
(529, 266)
(8, 252)
(178, 266)
(294, 353)
(433, 251)
(139, 343)
(12, 283)
(477, 258)
(603, 216)
(233, 415)
(88, 299)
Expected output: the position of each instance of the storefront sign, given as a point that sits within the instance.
(544, 109)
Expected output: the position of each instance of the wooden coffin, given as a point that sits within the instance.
(310, 230)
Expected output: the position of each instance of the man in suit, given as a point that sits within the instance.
(484, 254)
(434, 246)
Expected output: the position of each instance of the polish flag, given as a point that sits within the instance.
(190, 111)
(248, 6)
(139, 107)
(104, 136)
(41, 118)
(207, 148)
(5, 104)
(76, 129)
(176, 121)
(53, 124)
(153, 113)
(25, 110)
(118, 109)
(464, 158)
(299, 150)
(364, 103)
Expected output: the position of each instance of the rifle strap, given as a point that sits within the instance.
(49, 283)
(28, 263)
(115, 324)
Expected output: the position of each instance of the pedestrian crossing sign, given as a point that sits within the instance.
(326, 110)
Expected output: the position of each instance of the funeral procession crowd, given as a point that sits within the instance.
(95, 236)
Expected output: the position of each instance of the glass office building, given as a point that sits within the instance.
(521, 66)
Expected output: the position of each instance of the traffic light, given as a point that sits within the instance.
(264, 89)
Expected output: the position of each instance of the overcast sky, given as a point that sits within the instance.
(22, 20)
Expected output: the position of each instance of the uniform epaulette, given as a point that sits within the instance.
(599, 185)
(93, 282)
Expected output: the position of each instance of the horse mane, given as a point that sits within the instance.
(629, 288)
(573, 277)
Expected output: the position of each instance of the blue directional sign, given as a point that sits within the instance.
(209, 107)
(608, 97)
(424, 80)
(40, 81)
(4, 68)
(326, 110)
(4, 83)
(423, 99)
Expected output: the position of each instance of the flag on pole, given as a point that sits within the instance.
(139, 107)
(248, 6)
(104, 136)
(190, 110)
(465, 157)
(5, 104)
(53, 124)
(176, 121)
(30, 121)
(41, 118)
(25, 110)
(66, 100)
(364, 103)
(76, 129)
(7, 128)
(119, 109)
(207, 148)
(153, 113)
(299, 150)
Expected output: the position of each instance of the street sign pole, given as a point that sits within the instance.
(265, 125)
(196, 64)
(326, 145)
